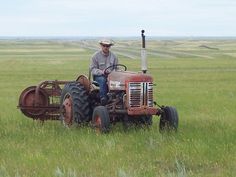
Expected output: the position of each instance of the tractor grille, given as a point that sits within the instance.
(140, 94)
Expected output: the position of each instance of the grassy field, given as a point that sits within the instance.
(198, 77)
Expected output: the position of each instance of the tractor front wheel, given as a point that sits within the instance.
(169, 119)
(101, 120)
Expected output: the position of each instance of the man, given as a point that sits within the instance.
(99, 62)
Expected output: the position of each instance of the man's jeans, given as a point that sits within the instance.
(102, 81)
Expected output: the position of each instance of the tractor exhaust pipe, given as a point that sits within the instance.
(143, 54)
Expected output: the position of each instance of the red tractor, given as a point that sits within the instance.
(77, 102)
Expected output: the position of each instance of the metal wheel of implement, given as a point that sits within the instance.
(75, 107)
(101, 120)
(30, 106)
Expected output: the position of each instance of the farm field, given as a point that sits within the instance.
(197, 76)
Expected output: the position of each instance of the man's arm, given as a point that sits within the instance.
(94, 67)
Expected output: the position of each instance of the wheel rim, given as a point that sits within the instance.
(67, 111)
(98, 124)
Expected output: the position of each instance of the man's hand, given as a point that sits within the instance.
(107, 71)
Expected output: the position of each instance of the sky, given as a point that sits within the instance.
(117, 18)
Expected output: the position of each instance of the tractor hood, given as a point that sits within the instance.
(117, 80)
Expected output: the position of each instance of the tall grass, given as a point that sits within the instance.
(203, 89)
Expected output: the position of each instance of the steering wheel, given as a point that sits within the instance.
(118, 67)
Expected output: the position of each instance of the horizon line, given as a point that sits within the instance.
(117, 37)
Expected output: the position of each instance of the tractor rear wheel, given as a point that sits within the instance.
(169, 119)
(75, 107)
(101, 120)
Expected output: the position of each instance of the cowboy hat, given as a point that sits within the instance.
(106, 42)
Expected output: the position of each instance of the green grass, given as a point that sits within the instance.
(198, 81)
